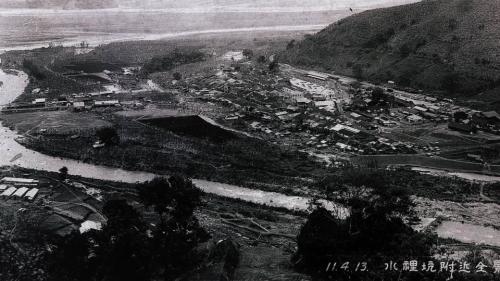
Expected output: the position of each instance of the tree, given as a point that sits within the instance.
(248, 53)
(405, 50)
(63, 173)
(378, 95)
(34, 69)
(261, 59)
(71, 259)
(374, 227)
(291, 44)
(450, 82)
(108, 136)
(121, 251)
(175, 196)
(274, 66)
(357, 71)
(179, 232)
(459, 116)
(177, 76)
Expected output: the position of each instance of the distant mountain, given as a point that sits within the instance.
(59, 4)
(448, 45)
(201, 5)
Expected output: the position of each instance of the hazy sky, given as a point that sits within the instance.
(202, 5)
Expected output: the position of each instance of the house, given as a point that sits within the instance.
(39, 101)
(19, 180)
(318, 75)
(491, 116)
(318, 98)
(343, 146)
(78, 105)
(106, 103)
(340, 127)
(303, 101)
(325, 104)
(20, 192)
(31, 194)
(465, 128)
(294, 94)
(414, 118)
(420, 109)
(9, 191)
(475, 157)
(355, 115)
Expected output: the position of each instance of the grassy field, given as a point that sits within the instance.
(53, 122)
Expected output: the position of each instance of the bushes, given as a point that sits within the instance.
(33, 69)
(108, 136)
(168, 62)
(373, 229)
(128, 248)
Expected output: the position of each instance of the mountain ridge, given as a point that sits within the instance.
(448, 46)
(297, 5)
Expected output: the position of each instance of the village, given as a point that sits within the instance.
(60, 205)
(264, 141)
(315, 112)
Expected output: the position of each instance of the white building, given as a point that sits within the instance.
(20, 192)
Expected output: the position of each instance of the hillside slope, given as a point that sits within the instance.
(448, 45)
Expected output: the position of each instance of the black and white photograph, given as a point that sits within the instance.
(249, 140)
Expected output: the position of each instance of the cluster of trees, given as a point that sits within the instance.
(376, 230)
(108, 136)
(33, 69)
(170, 61)
(128, 247)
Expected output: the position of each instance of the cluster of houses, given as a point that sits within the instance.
(18, 188)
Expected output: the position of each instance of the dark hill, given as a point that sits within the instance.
(451, 46)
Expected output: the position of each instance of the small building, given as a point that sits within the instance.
(31, 194)
(414, 118)
(491, 115)
(420, 109)
(78, 105)
(475, 157)
(318, 75)
(9, 191)
(343, 145)
(19, 180)
(105, 103)
(325, 104)
(302, 102)
(340, 127)
(465, 128)
(39, 101)
(20, 192)
(355, 115)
